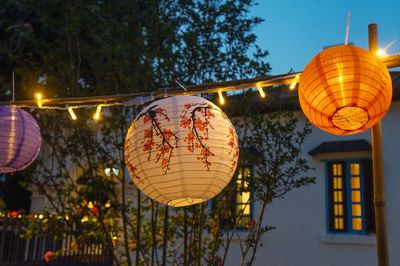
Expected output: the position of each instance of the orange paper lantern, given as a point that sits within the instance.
(181, 150)
(345, 90)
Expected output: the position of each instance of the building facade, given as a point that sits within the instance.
(331, 222)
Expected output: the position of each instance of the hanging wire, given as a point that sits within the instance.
(133, 99)
(346, 40)
(13, 86)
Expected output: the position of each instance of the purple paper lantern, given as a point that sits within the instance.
(19, 139)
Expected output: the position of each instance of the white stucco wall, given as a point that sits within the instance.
(301, 238)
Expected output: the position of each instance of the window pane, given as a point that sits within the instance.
(339, 224)
(247, 172)
(355, 169)
(339, 183)
(356, 210)
(357, 224)
(239, 178)
(243, 196)
(246, 197)
(339, 170)
(340, 196)
(338, 210)
(355, 196)
(355, 182)
(246, 210)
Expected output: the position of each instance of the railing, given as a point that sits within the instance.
(17, 251)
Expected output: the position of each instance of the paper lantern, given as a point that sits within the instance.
(345, 90)
(19, 139)
(181, 150)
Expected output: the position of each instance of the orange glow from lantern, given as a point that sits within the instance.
(345, 90)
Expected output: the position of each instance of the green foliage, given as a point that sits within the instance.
(102, 47)
(81, 48)
(13, 193)
(276, 143)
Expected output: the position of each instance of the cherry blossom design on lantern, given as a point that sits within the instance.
(196, 118)
(131, 168)
(158, 139)
(233, 144)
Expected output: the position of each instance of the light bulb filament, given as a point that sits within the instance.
(96, 115)
(261, 91)
(38, 96)
(72, 113)
(221, 98)
(294, 82)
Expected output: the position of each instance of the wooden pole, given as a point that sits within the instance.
(377, 160)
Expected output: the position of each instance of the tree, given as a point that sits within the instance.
(99, 47)
(81, 48)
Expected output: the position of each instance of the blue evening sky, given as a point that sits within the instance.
(295, 31)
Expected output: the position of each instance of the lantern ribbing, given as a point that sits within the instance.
(345, 90)
(181, 150)
(19, 139)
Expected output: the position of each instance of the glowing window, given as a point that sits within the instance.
(350, 199)
(243, 198)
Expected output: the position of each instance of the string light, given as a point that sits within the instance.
(96, 115)
(381, 53)
(144, 97)
(294, 82)
(221, 98)
(38, 97)
(261, 91)
(72, 113)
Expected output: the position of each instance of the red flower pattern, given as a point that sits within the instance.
(196, 118)
(233, 143)
(132, 170)
(161, 140)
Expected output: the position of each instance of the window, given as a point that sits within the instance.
(350, 198)
(235, 203)
(243, 198)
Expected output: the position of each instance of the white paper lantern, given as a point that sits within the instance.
(181, 150)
